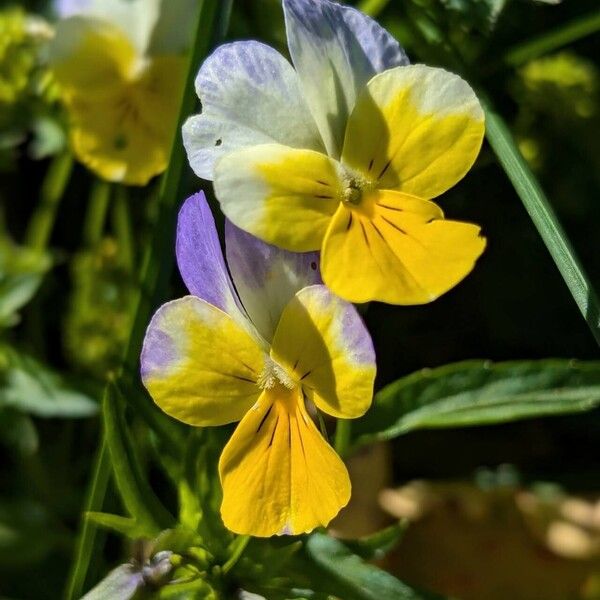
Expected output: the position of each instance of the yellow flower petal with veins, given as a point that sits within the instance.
(322, 344)
(199, 365)
(279, 476)
(399, 249)
(414, 129)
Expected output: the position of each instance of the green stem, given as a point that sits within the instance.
(122, 226)
(342, 436)
(237, 549)
(213, 18)
(553, 40)
(372, 7)
(87, 533)
(53, 188)
(537, 205)
(95, 218)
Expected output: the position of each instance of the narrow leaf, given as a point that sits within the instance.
(543, 217)
(480, 393)
(124, 525)
(137, 496)
(378, 544)
(356, 579)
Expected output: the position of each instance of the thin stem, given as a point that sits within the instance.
(123, 230)
(342, 436)
(53, 188)
(237, 549)
(87, 533)
(554, 39)
(95, 218)
(213, 17)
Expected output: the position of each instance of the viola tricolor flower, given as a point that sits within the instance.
(120, 66)
(255, 348)
(342, 153)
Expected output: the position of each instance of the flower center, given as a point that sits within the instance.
(354, 185)
(274, 374)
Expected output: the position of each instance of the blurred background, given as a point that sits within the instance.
(487, 495)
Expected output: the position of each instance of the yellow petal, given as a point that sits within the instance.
(279, 476)
(414, 129)
(282, 195)
(397, 249)
(322, 341)
(126, 135)
(199, 365)
(90, 55)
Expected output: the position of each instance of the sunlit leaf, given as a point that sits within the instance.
(480, 393)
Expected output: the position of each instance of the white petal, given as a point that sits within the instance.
(336, 50)
(250, 95)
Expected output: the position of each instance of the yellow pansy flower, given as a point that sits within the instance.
(121, 79)
(263, 348)
(342, 154)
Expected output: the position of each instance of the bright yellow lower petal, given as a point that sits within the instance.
(397, 249)
(279, 194)
(414, 129)
(322, 341)
(279, 476)
(199, 365)
(126, 135)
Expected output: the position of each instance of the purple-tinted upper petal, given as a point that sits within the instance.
(267, 277)
(336, 50)
(250, 95)
(200, 258)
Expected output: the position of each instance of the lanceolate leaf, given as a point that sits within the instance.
(542, 215)
(354, 578)
(480, 393)
(137, 496)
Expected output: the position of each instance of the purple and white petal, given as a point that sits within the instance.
(200, 258)
(250, 95)
(267, 277)
(336, 50)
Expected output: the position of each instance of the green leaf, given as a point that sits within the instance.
(120, 584)
(21, 272)
(480, 392)
(138, 498)
(354, 578)
(124, 525)
(377, 545)
(31, 387)
(543, 217)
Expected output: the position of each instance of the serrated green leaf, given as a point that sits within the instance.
(356, 579)
(31, 387)
(479, 392)
(120, 584)
(378, 544)
(138, 498)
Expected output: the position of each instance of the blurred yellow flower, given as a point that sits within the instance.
(121, 89)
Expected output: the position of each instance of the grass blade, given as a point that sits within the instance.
(543, 217)
(213, 17)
